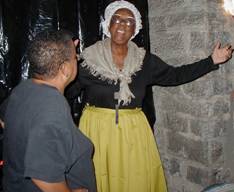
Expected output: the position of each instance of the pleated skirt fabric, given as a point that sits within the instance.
(126, 157)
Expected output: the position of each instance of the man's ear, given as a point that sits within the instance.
(64, 70)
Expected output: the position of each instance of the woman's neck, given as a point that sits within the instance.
(117, 49)
(119, 52)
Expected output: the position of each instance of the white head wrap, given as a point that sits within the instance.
(112, 8)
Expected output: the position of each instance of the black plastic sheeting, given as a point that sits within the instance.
(20, 21)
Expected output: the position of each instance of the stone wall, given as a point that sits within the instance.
(194, 129)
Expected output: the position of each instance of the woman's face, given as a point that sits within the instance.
(122, 26)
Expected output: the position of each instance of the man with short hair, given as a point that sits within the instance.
(43, 149)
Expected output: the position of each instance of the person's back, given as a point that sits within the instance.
(24, 103)
(43, 149)
(29, 105)
(16, 138)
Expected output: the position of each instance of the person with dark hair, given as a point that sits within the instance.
(43, 149)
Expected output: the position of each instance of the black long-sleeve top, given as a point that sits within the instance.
(100, 93)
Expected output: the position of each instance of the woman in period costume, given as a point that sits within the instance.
(114, 74)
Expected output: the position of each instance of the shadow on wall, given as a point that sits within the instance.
(220, 188)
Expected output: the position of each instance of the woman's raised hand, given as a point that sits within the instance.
(222, 54)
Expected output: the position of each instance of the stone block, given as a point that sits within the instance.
(163, 7)
(184, 105)
(185, 20)
(174, 167)
(197, 175)
(215, 5)
(177, 20)
(216, 21)
(216, 151)
(180, 184)
(196, 150)
(217, 35)
(168, 42)
(221, 175)
(175, 123)
(199, 127)
(196, 5)
(222, 86)
(155, 7)
(176, 143)
(197, 40)
(221, 107)
(157, 24)
(190, 149)
(200, 89)
(209, 128)
(195, 19)
(218, 127)
(172, 5)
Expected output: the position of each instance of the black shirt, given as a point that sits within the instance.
(41, 141)
(154, 71)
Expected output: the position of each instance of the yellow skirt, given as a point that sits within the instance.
(126, 157)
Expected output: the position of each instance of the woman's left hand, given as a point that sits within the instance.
(221, 55)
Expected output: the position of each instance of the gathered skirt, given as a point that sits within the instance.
(126, 157)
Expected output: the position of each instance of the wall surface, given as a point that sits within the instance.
(194, 128)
